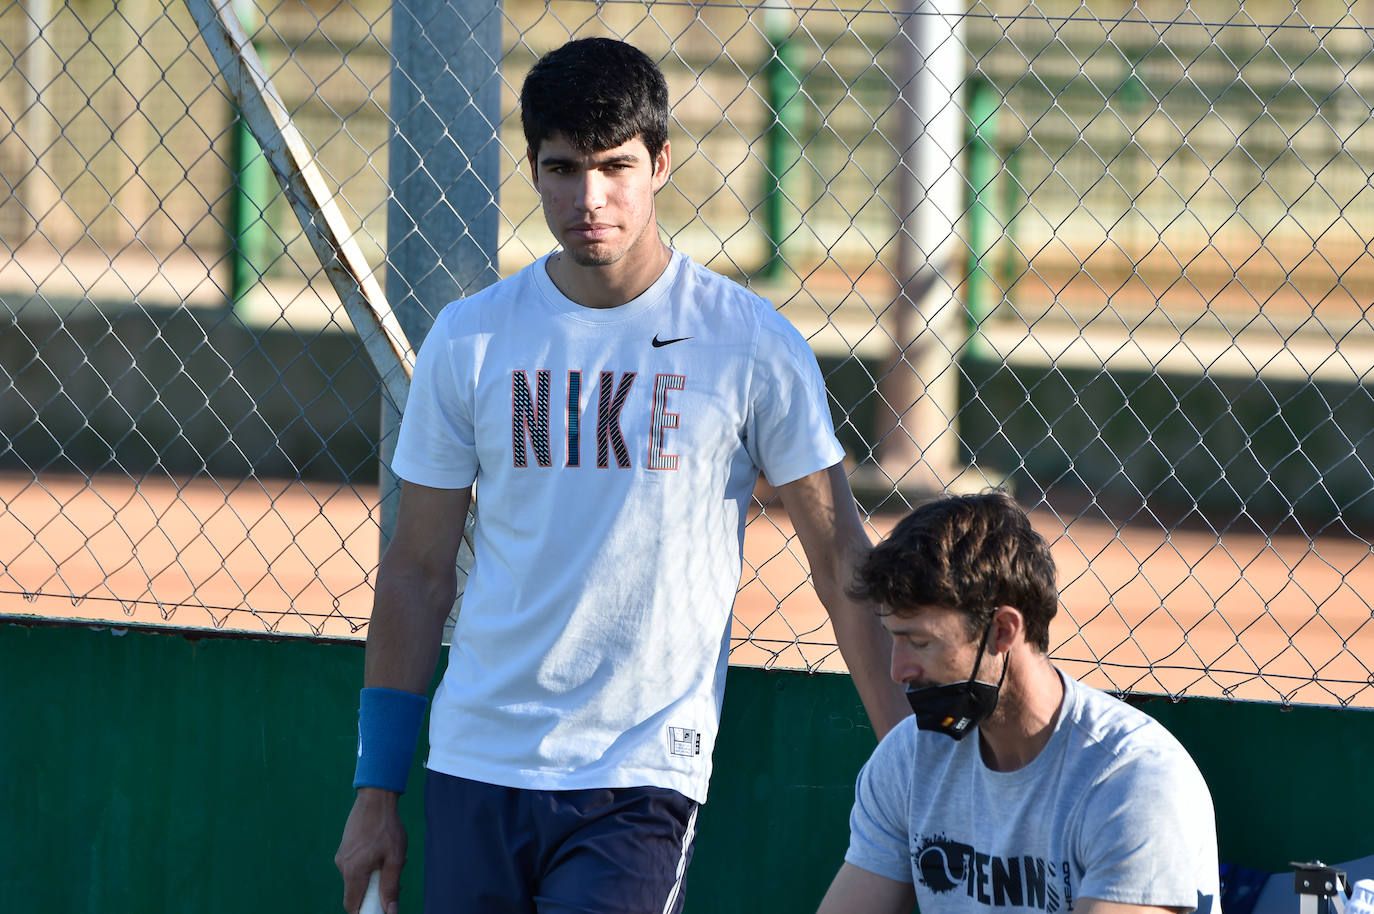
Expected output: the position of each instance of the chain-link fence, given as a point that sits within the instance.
(1116, 261)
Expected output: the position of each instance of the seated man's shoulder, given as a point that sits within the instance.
(898, 749)
(902, 736)
(888, 775)
(1113, 726)
(1128, 759)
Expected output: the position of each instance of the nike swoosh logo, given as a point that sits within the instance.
(659, 344)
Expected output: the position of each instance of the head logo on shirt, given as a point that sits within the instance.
(945, 866)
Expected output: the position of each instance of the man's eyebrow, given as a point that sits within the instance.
(549, 161)
(552, 161)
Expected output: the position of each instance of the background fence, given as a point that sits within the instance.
(1117, 262)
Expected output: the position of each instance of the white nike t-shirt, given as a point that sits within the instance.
(614, 454)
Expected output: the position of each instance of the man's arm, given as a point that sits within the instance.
(823, 513)
(416, 584)
(857, 891)
(1098, 906)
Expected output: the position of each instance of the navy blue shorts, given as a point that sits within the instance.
(506, 850)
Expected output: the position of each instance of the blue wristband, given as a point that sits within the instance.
(388, 725)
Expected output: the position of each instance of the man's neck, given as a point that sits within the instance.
(1024, 721)
(614, 284)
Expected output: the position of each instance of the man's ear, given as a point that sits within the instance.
(662, 166)
(1008, 627)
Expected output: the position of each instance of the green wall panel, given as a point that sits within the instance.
(775, 827)
(1288, 783)
(170, 772)
(151, 772)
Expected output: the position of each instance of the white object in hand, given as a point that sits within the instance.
(372, 899)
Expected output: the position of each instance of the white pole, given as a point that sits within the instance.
(919, 447)
(37, 193)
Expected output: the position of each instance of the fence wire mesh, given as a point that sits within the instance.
(1117, 262)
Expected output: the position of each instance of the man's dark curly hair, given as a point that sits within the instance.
(598, 93)
(970, 553)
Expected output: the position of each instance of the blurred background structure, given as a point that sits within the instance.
(1114, 258)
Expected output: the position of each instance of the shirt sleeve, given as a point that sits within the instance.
(437, 443)
(788, 431)
(1149, 834)
(879, 826)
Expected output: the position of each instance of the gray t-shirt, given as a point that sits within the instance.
(1112, 808)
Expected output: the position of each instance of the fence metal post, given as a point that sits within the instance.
(919, 446)
(983, 169)
(38, 194)
(782, 150)
(444, 164)
(254, 187)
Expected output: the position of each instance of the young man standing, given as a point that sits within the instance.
(613, 404)
(1062, 799)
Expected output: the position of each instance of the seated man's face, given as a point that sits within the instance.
(931, 646)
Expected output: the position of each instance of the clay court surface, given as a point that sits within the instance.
(1184, 612)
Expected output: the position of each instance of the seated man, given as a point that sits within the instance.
(1066, 799)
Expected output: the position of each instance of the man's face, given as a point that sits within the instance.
(931, 647)
(599, 205)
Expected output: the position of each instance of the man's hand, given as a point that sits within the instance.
(373, 839)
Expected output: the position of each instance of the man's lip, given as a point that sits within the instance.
(590, 228)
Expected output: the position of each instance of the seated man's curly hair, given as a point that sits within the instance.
(970, 553)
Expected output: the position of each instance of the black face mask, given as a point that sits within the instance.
(956, 708)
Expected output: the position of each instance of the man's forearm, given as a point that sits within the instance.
(826, 519)
(405, 631)
(416, 584)
(867, 651)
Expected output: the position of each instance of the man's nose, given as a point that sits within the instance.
(591, 193)
(904, 666)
